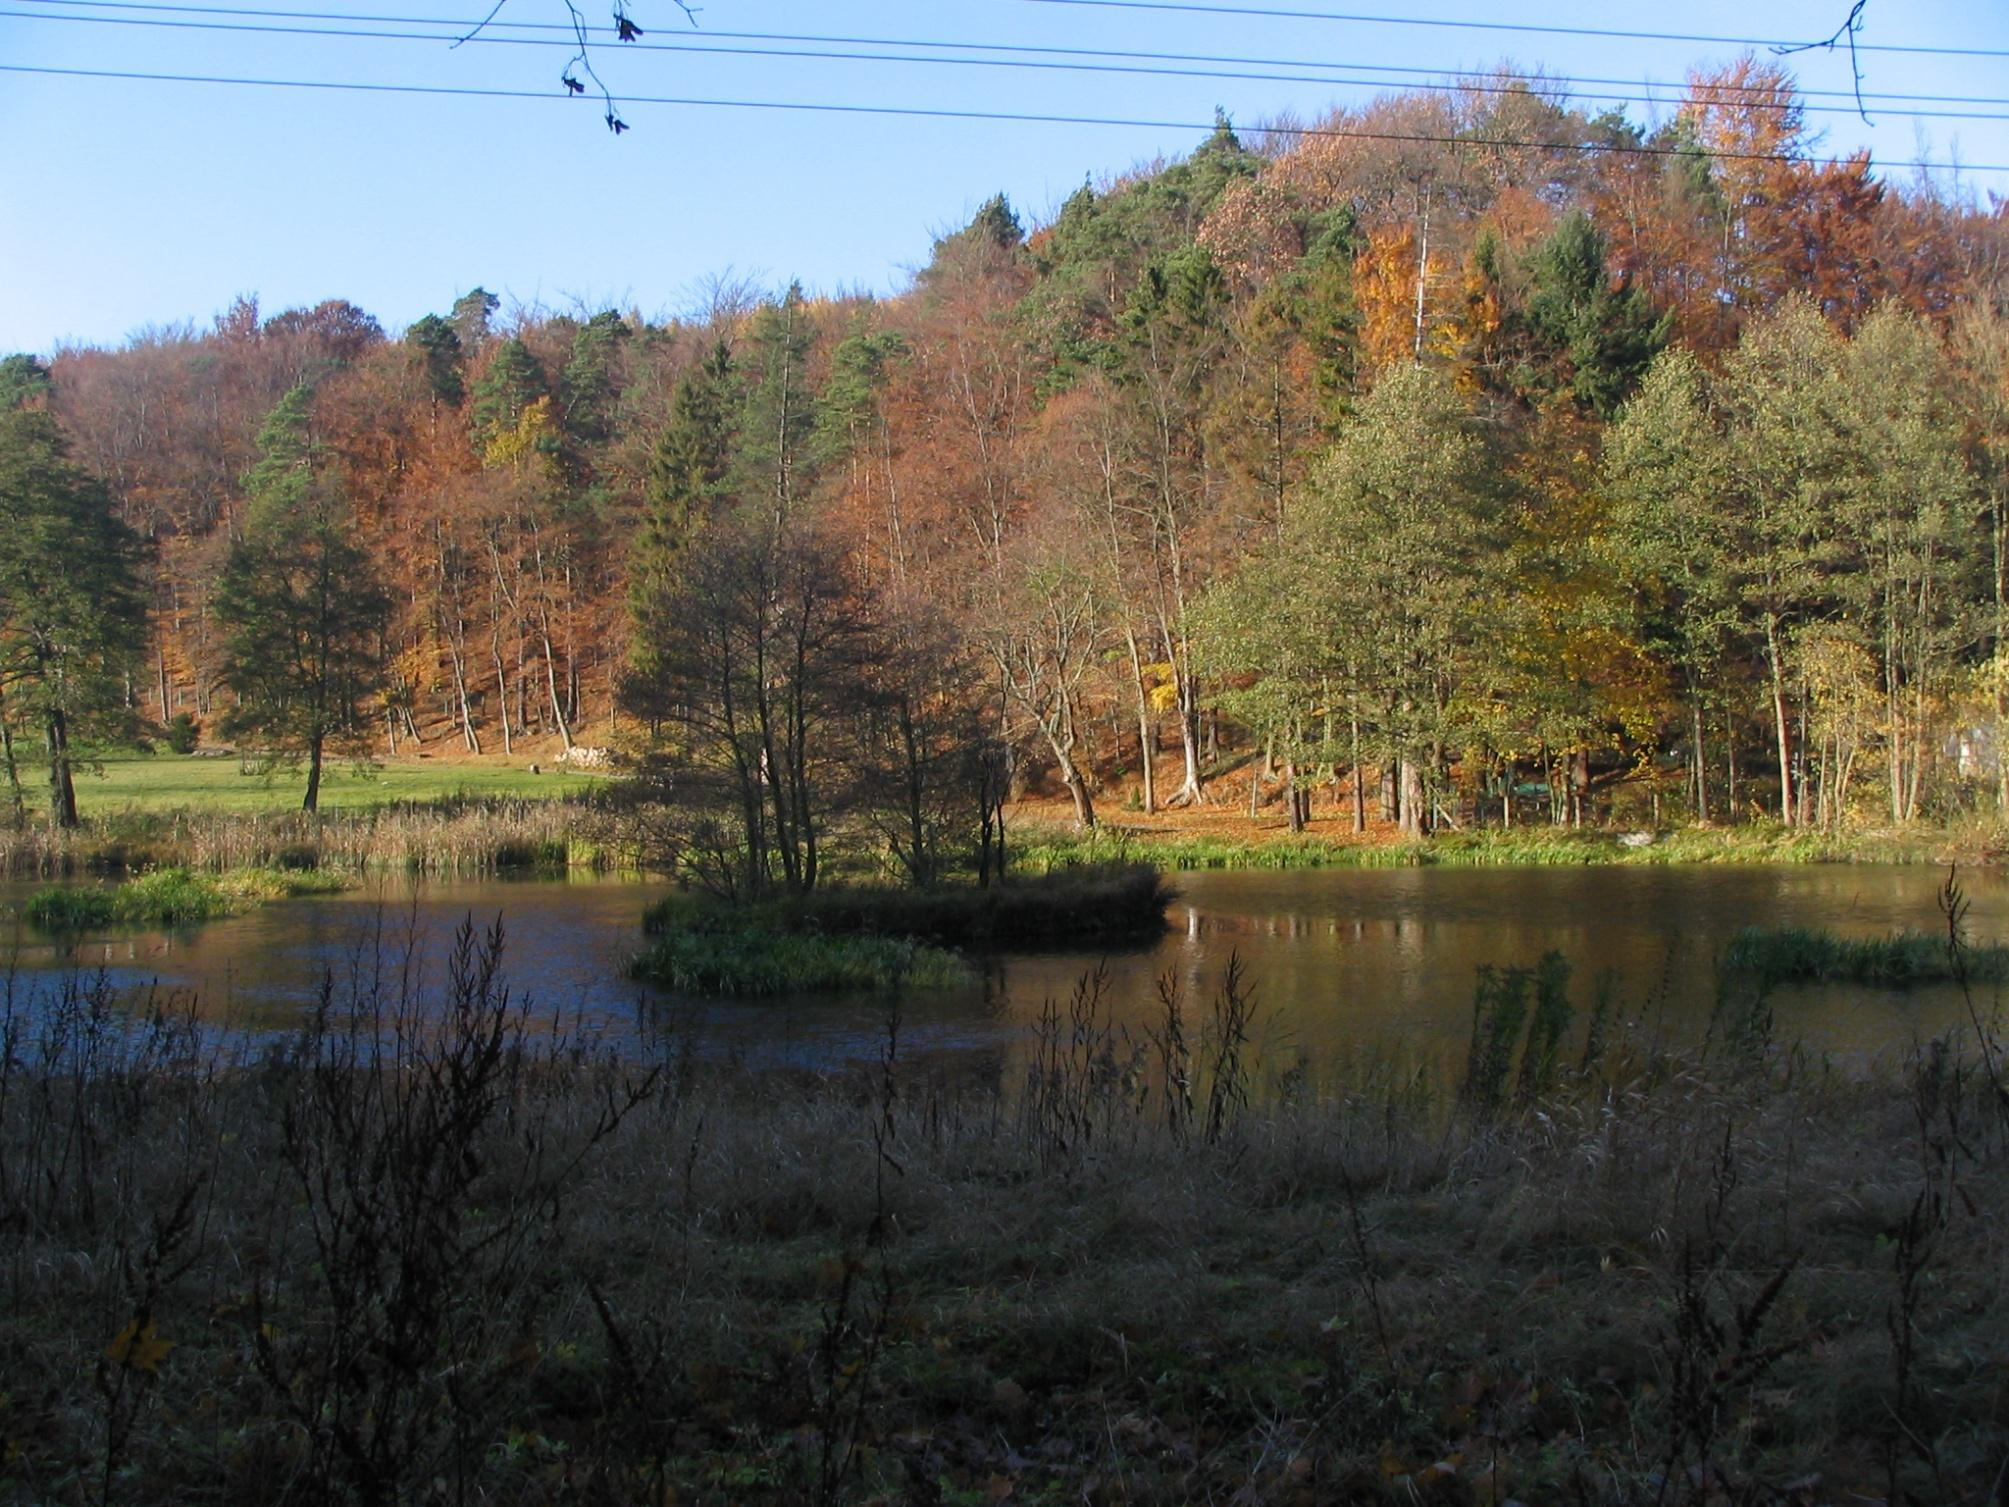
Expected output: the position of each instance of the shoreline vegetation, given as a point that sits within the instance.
(420, 1251)
(487, 824)
(1770, 956)
(1040, 847)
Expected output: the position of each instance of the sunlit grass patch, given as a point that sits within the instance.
(169, 897)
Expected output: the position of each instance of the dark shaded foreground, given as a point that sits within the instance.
(412, 1257)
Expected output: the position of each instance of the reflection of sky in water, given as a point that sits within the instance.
(1341, 960)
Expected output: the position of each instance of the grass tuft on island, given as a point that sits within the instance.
(880, 936)
(169, 897)
(747, 962)
(1772, 955)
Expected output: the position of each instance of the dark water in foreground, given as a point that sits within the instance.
(1344, 961)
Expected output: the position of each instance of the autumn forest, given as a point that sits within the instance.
(1624, 477)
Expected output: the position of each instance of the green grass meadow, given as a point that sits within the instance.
(165, 781)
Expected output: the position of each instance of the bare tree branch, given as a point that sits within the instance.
(1851, 28)
(581, 61)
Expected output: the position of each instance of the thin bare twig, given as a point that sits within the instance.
(1850, 29)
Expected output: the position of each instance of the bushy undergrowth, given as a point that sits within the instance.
(168, 897)
(418, 1252)
(1773, 955)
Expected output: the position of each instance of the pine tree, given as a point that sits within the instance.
(72, 611)
(303, 609)
(439, 350)
(682, 493)
(511, 384)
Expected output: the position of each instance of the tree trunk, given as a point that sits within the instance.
(1189, 741)
(467, 729)
(551, 685)
(1780, 725)
(312, 801)
(1145, 742)
(1411, 783)
(62, 788)
(1730, 771)
(13, 773)
(1359, 783)
(1701, 768)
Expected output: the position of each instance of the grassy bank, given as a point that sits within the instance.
(448, 1264)
(1039, 849)
(205, 785)
(170, 897)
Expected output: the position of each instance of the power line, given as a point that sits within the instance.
(814, 55)
(1194, 8)
(927, 113)
(1461, 86)
(1540, 80)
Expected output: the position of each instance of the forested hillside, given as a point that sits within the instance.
(1636, 473)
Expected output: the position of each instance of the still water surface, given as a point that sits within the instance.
(1344, 961)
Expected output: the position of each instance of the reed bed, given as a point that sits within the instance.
(421, 1250)
(449, 836)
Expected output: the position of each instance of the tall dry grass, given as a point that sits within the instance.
(459, 836)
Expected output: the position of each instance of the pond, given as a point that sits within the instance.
(1344, 962)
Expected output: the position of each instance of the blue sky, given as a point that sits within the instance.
(126, 203)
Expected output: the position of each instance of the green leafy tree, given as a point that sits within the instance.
(72, 608)
(1670, 543)
(1910, 517)
(303, 609)
(1403, 514)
